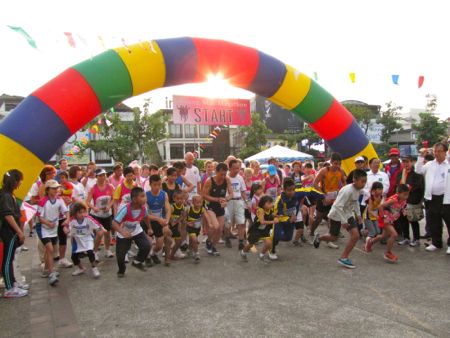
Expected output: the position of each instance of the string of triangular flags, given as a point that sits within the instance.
(80, 146)
(212, 136)
(71, 41)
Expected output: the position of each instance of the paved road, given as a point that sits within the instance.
(305, 294)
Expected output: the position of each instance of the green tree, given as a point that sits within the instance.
(311, 136)
(362, 114)
(254, 136)
(389, 118)
(132, 140)
(430, 128)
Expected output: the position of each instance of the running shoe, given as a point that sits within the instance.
(346, 262)
(95, 272)
(15, 292)
(139, 265)
(65, 263)
(406, 241)
(414, 243)
(209, 247)
(316, 241)
(390, 257)
(109, 254)
(53, 279)
(273, 256)
(368, 245)
(78, 271)
(23, 286)
(331, 245)
(243, 256)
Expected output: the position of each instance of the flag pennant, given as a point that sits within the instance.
(316, 77)
(22, 32)
(395, 79)
(352, 77)
(125, 45)
(102, 42)
(70, 39)
(421, 80)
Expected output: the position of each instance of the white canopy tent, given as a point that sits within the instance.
(283, 154)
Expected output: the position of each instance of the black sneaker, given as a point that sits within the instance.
(156, 259)
(139, 265)
(209, 247)
(316, 241)
(148, 262)
(215, 252)
(184, 247)
(121, 274)
(241, 246)
(228, 242)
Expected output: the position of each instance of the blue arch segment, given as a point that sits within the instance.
(269, 77)
(40, 130)
(351, 136)
(180, 57)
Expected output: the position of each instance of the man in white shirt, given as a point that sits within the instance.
(192, 173)
(375, 175)
(437, 194)
(235, 210)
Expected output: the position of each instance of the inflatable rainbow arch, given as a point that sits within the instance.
(44, 120)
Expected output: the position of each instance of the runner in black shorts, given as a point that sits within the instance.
(215, 191)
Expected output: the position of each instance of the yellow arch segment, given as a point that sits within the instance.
(293, 90)
(16, 156)
(145, 63)
(349, 163)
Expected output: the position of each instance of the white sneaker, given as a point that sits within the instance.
(179, 254)
(23, 248)
(414, 243)
(15, 293)
(273, 256)
(95, 272)
(78, 271)
(109, 254)
(431, 248)
(404, 242)
(448, 250)
(331, 245)
(53, 279)
(64, 263)
(127, 260)
(97, 259)
(23, 286)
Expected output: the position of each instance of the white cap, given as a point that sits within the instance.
(360, 158)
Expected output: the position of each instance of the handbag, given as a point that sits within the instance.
(414, 212)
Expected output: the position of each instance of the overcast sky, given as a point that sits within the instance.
(374, 39)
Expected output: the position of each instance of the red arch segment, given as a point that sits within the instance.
(71, 97)
(334, 122)
(238, 64)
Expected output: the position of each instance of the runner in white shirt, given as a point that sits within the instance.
(235, 210)
(50, 209)
(79, 193)
(81, 228)
(89, 179)
(192, 174)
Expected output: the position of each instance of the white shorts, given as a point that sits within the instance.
(235, 212)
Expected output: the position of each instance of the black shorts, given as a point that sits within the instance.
(62, 237)
(248, 215)
(255, 234)
(144, 226)
(191, 231)
(307, 202)
(335, 226)
(323, 209)
(299, 225)
(105, 222)
(175, 232)
(52, 240)
(216, 209)
(157, 229)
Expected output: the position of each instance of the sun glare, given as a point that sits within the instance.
(217, 86)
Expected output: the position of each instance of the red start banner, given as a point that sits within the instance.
(204, 110)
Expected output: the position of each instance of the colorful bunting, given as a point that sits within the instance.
(352, 77)
(125, 45)
(316, 77)
(421, 80)
(22, 32)
(70, 39)
(395, 79)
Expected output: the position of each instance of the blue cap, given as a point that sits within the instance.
(272, 170)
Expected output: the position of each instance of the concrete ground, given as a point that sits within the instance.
(304, 294)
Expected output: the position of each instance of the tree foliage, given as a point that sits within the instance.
(254, 136)
(430, 128)
(126, 141)
(363, 115)
(390, 117)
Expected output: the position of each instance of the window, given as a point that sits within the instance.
(175, 130)
(190, 131)
(176, 151)
(204, 130)
(190, 147)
